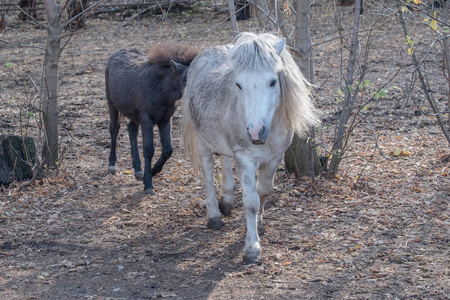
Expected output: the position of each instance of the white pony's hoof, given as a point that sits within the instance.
(252, 259)
(252, 256)
(112, 169)
(215, 223)
(139, 176)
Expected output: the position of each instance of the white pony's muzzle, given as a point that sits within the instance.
(257, 134)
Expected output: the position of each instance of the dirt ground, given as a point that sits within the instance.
(379, 230)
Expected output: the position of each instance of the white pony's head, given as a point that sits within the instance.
(256, 62)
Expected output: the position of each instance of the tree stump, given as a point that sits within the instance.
(17, 158)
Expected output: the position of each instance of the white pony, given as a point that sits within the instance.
(244, 102)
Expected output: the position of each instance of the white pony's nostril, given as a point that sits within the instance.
(262, 130)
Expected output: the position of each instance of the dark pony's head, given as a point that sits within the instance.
(175, 56)
(161, 55)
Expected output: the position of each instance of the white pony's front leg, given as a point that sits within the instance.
(212, 206)
(250, 199)
(226, 203)
(265, 187)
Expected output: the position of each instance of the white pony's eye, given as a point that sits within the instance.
(239, 86)
(273, 83)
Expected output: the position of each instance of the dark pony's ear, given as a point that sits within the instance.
(178, 67)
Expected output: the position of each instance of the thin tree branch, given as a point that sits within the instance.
(22, 46)
(349, 34)
(33, 19)
(429, 51)
(85, 11)
(376, 142)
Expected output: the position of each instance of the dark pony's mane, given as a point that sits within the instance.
(161, 55)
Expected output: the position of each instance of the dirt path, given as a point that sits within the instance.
(85, 234)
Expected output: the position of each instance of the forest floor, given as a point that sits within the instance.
(379, 230)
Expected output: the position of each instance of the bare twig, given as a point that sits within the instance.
(429, 51)
(34, 84)
(36, 170)
(349, 34)
(29, 16)
(265, 14)
(22, 46)
(376, 141)
(85, 11)
(141, 13)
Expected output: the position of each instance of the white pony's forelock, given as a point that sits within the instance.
(255, 52)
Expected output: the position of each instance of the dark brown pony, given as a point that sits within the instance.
(145, 89)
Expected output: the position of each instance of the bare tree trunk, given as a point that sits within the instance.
(341, 137)
(303, 38)
(300, 157)
(446, 50)
(232, 12)
(50, 101)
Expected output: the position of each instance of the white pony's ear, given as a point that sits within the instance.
(279, 45)
(229, 47)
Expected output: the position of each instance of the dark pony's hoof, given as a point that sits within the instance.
(215, 223)
(139, 176)
(225, 209)
(261, 230)
(112, 169)
(252, 260)
(149, 191)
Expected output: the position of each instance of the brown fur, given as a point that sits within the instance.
(161, 54)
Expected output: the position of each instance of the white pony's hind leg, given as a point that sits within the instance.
(226, 203)
(250, 199)
(212, 206)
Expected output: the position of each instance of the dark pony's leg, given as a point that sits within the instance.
(133, 131)
(114, 127)
(149, 150)
(166, 142)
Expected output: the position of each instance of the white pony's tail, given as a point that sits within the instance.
(190, 135)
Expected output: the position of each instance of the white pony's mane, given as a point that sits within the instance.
(254, 52)
(257, 52)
